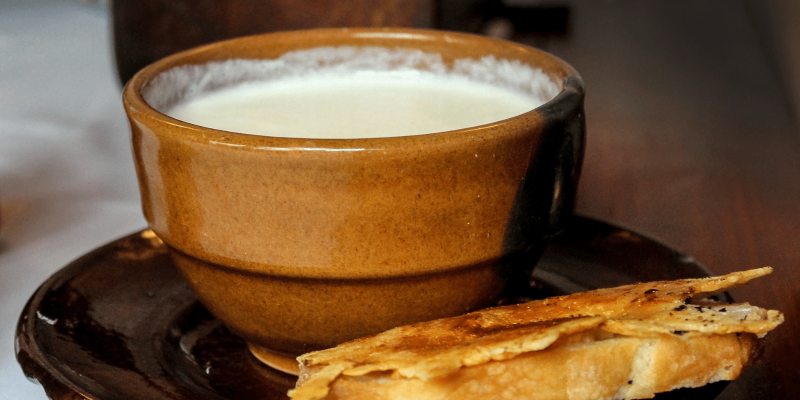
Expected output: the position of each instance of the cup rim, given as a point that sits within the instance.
(571, 84)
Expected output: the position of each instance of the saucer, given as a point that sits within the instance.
(120, 323)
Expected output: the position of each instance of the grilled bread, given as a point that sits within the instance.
(629, 342)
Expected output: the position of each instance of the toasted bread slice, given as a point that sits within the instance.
(629, 342)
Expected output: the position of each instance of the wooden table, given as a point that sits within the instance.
(691, 141)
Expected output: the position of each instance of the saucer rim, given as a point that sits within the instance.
(38, 367)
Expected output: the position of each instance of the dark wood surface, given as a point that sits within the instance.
(691, 141)
(147, 30)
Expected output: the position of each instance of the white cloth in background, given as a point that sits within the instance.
(67, 183)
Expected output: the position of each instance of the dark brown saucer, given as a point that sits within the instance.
(120, 323)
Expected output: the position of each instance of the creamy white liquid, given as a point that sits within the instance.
(356, 105)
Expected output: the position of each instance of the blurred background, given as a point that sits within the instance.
(692, 110)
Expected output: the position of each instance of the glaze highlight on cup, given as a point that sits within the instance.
(301, 244)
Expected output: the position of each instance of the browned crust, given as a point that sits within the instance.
(607, 369)
(658, 336)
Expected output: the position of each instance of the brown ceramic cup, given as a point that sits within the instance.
(301, 244)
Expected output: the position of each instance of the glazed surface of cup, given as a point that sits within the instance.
(301, 244)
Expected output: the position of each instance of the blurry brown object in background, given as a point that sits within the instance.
(147, 30)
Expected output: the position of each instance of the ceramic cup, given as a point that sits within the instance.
(301, 244)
